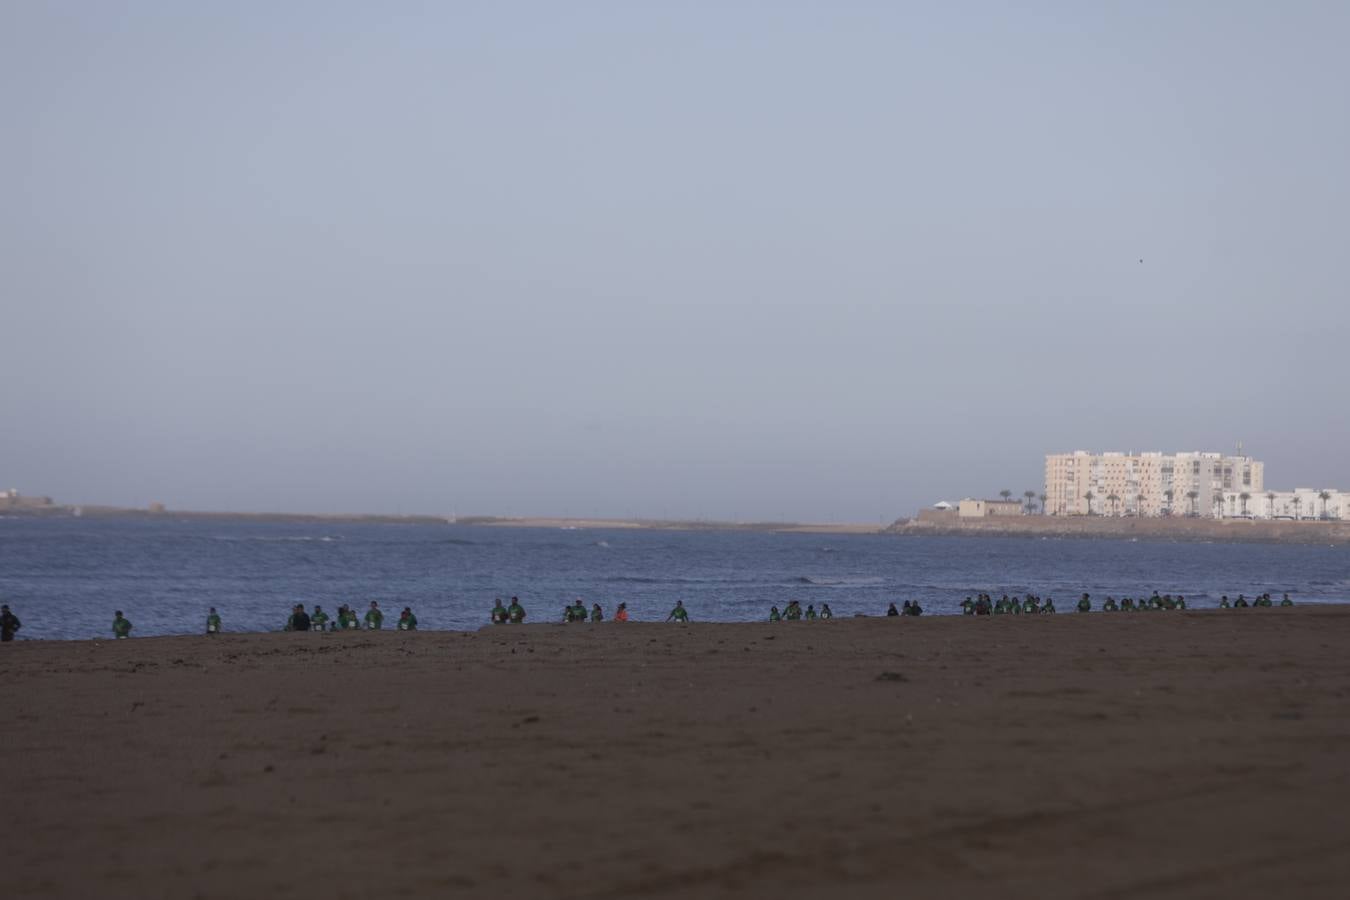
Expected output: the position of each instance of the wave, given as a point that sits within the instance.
(842, 581)
(288, 539)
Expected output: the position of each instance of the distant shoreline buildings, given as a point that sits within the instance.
(1196, 484)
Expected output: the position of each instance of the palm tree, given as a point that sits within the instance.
(1139, 510)
(1113, 500)
(1193, 496)
(1169, 494)
(1088, 497)
(1043, 498)
(1244, 497)
(1031, 498)
(1270, 502)
(1005, 493)
(1298, 502)
(1324, 496)
(1217, 505)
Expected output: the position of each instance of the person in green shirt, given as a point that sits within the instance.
(121, 625)
(597, 614)
(1263, 600)
(967, 607)
(775, 615)
(498, 613)
(679, 613)
(406, 620)
(212, 621)
(1127, 605)
(1181, 602)
(810, 611)
(826, 612)
(1110, 605)
(374, 618)
(1085, 604)
(1029, 605)
(515, 613)
(318, 620)
(1223, 602)
(1049, 606)
(914, 608)
(1286, 601)
(1240, 603)
(1000, 608)
(578, 611)
(793, 611)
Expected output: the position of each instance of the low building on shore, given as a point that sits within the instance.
(983, 509)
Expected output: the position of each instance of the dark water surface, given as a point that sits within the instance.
(64, 577)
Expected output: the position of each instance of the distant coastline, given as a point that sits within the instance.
(1179, 528)
(120, 512)
(926, 523)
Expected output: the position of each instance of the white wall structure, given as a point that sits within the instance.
(1303, 504)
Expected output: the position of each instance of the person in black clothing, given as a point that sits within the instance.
(299, 620)
(892, 611)
(9, 623)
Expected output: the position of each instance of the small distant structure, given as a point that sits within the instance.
(14, 500)
(984, 509)
(943, 504)
(156, 507)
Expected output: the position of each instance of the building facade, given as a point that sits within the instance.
(1147, 484)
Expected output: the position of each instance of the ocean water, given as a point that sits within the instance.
(65, 577)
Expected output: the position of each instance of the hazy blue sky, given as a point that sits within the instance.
(806, 260)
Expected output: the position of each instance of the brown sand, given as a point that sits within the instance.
(1199, 754)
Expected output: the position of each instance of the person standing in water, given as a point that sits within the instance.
(121, 626)
(374, 618)
(679, 613)
(9, 623)
(212, 621)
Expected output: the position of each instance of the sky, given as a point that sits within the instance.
(732, 260)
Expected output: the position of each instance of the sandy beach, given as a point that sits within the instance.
(1198, 754)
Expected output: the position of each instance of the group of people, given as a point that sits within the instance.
(793, 612)
(318, 620)
(984, 604)
(1259, 600)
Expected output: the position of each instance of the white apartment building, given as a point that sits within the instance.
(1299, 504)
(1147, 484)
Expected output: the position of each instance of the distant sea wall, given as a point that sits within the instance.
(1112, 527)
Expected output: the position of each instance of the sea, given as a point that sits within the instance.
(65, 577)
